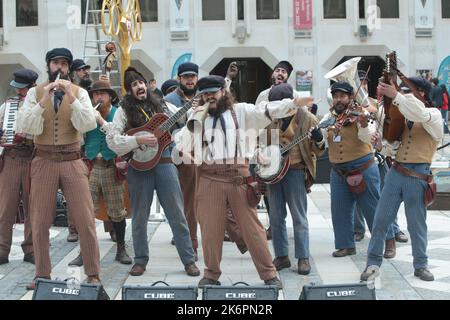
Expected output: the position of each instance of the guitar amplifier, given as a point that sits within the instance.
(159, 293)
(60, 290)
(359, 291)
(240, 291)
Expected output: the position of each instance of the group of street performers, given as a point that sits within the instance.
(74, 134)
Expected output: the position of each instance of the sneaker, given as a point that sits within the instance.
(344, 252)
(359, 236)
(208, 282)
(192, 270)
(304, 268)
(401, 237)
(424, 274)
(274, 282)
(370, 273)
(281, 263)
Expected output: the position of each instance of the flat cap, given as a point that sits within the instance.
(24, 78)
(211, 84)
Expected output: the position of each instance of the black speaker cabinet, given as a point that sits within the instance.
(359, 291)
(154, 292)
(240, 291)
(61, 290)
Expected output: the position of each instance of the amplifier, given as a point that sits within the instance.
(359, 291)
(61, 290)
(159, 293)
(240, 291)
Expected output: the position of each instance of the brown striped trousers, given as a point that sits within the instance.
(72, 177)
(187, 177)
(212, 200)
(14, 184)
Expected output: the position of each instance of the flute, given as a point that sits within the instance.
(57, 78)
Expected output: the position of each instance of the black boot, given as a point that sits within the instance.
(121, 255)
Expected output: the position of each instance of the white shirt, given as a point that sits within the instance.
(251, 119)
(31, 121)
(116, 137)
(264, 95)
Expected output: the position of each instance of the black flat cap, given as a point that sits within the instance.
(286, 66)
(419, 82)
(58, 53)
(187, 68)
(24, 78)
(342, 87)
(211, 84)
(169, 84)
(280, 92)
(78, 64)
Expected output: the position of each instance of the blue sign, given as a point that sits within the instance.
(444, 73)
(182, 59)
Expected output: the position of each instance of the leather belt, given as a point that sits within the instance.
(19, 153)
(238, 180)
(345, 173)
(298, 166)
(102, 162)
(165, 161)
(58, 156)
(410, 173)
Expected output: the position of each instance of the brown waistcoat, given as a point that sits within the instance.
(349, 148)
(417, 146)
(58, 128)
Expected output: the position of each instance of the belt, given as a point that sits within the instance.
(345, 173)
(19, 153)
(238, 180)
(410, 173)
(297, 166)
(58, 156)
(165, 161)
(102, 162)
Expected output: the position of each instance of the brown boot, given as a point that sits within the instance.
(137, 270)
(77, 262)
(281, 263)
(122, 255)
(192, 270)
(304, 268)
(390, 251)
(269, 234)
(73, 234)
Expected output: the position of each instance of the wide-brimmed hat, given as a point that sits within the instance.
(105, 86)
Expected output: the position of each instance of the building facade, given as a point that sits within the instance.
(314, 35)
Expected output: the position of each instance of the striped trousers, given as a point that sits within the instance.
(397, 189)
(14, 185)
(72, 176)
(213, 197)
(187, 176)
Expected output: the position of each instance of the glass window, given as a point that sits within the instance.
(362, 9)
(149, 10)
(1, 13)
(389, 9)
(334, 9)
(267, 9)
(95, 5)
(213, 9)
(26, 13)
(240, 8)
(445, 9)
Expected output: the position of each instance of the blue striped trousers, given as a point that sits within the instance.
(397, 189)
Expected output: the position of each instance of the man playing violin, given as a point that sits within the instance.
(355, 178)
(408, 178)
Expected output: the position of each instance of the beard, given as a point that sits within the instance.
(53, 75)
(339, 108)
(222, 105)
(85, 83)
(104, 110)
(276, 81)
(188, 92)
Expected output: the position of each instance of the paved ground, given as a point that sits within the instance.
(397, 281)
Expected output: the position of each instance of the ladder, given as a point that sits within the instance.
(94, 44)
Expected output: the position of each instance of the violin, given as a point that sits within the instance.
(350, 116)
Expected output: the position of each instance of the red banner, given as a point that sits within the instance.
(303, 14)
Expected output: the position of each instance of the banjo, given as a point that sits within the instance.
(145, 157)
(277, 164)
